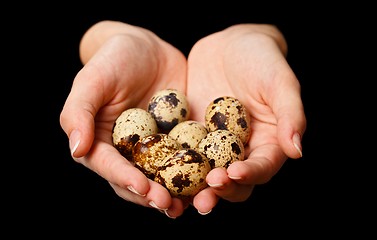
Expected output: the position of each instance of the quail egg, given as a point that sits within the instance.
(222, 147)
(228, 113)
(131, 125)
(188, 133)
(184, 173)
(168, 107)
(149, 152)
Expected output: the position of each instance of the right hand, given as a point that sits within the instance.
(124, 66)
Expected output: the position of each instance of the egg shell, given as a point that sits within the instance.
(222, 148)
(131, 125)
(168, 107)
(228, 113)
(150, 151)
(184, 173)
(188, 133)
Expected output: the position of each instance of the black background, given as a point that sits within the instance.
(316, 195)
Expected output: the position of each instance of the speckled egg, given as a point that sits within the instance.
(228, 113)
(168, 107)
(222, 147)
(149, 152)
(131, 125)
(188, 133)
(184, 173)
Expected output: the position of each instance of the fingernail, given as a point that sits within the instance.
(235, 177)
(153, 204)
(215, 185)
(297, 143)
(131, 189)
(167, 214)
(204, 213)
(74, 141)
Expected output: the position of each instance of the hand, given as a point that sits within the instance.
(124, 66)
(247, 61)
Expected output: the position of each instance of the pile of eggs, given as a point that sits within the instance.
(175, 151)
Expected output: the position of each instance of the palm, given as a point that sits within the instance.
(217, 68)
(141, 74)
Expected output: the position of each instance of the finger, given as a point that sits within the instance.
(107, 162)
(237, 182)
(77, 116)
(128, 182)
(157, 197)
(261, 165)
(205, 201)
(226, 188)
(289, 111)
(176, 208)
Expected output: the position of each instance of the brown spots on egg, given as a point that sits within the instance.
(236, 148)
(185, 145)
(218, 100)
(184, 113)
(219, 120)
(165, 126)
(180, 182)
(243, 123)
(171, 98)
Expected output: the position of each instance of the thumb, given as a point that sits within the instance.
(77, 115)
(291, 120)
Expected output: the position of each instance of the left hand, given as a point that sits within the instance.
(247, 61)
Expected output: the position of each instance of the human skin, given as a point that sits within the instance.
(124, 65)
(248, 61)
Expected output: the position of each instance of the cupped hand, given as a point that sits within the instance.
(247, 61)
(124, 66)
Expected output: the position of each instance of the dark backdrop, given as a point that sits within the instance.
(312, 195)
